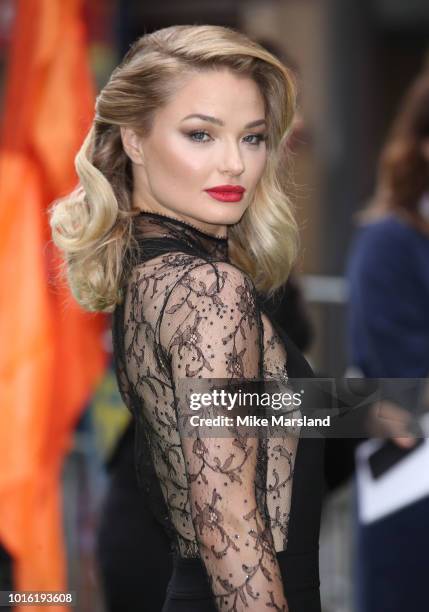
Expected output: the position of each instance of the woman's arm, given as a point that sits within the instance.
(211, 329)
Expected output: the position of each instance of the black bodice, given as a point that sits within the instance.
(190, 314)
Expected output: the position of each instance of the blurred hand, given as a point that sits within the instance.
(388, 420)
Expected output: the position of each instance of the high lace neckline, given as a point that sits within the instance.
(181, 222)
(151, 229)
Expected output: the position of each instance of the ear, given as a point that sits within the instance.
(132, 145)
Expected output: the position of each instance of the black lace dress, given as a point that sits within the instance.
(242, 513)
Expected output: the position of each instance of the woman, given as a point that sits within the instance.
(180, 225)
(388, 268)
(389, 338)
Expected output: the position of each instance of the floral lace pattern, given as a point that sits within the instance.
(188, 313)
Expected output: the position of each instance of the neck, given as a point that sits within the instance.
(217, 231)
(177, 233)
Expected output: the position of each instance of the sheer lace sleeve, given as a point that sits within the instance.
(211, 329)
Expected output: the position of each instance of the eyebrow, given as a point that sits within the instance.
(219, 122)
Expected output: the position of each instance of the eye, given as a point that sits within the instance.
(259, 138)
(195, 136)
(198, 136)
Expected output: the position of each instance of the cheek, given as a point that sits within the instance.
(179, 162)
(256, 166)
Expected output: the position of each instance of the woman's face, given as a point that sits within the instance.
(185, 156)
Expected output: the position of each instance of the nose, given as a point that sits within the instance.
(232, 161)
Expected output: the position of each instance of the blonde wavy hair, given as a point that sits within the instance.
(93, 225)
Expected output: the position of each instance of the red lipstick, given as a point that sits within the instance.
(226, 193)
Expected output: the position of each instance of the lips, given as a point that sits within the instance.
(227, 189)
(226, 193)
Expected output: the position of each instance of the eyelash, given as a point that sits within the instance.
(260, 137)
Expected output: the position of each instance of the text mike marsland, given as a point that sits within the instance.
(255, 421)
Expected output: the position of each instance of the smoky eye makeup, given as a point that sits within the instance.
(198, 135)
(202, 136)
(255, 139)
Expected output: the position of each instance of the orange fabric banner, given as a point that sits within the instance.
(51, 355)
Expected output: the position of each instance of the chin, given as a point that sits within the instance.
(225, 214)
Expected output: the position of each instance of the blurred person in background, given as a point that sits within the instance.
(388, 272)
